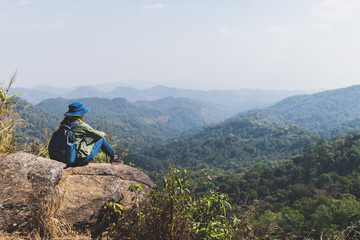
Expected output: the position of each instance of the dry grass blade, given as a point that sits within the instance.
(9, 118)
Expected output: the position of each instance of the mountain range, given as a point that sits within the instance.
(287, 156)
(273, 133)
(142, 123)
(231, 101)
(327, 113)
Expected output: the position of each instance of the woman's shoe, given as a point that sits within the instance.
(116, 160)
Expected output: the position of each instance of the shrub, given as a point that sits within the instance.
(9, 118)
(171, 213)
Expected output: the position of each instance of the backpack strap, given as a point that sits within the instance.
(73, 124)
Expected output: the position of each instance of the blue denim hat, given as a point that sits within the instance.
(76, 109)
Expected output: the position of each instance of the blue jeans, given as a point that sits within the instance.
(100, 144)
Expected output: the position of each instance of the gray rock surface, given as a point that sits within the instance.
(23, 177)
(83, 191)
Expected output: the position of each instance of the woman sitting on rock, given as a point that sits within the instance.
(89, 141)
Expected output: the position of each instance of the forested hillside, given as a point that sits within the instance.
(326, 113)
(303, 187)
(237, 143)
(274, 160)
(316, 193)
(34, 122)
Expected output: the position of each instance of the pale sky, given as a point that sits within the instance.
(197, 44)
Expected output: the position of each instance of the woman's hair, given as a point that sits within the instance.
(69, 119)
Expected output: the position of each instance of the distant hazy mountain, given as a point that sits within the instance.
(85, 92)
(130, 94)
(33, 96)
(232, 101)
(57, 90)
(235, 100)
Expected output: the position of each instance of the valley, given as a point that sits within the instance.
(299, 158)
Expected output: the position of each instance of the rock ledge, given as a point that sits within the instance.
(83, 191)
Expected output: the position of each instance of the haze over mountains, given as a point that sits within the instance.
(232, 101)
(285, 127)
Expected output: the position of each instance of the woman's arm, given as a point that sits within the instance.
(92, 133)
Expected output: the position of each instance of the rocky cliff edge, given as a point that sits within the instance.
(81, 192)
